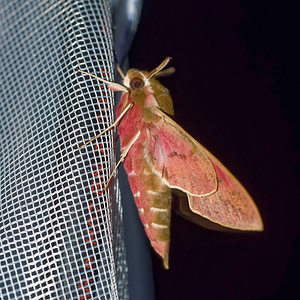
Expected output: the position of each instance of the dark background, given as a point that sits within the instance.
(235, 90)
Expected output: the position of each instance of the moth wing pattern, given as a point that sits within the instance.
(229, 204)
(178, 160)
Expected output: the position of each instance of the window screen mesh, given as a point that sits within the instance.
(60, 236)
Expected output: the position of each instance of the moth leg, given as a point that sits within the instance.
(116, 86)
(114, 124)
(122, 157)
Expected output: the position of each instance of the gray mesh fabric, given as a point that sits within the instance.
(60, 236)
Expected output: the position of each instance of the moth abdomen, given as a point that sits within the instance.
(153, 202)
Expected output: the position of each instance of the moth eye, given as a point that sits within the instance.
(136, 83)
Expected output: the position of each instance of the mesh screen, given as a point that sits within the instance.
(60, 236)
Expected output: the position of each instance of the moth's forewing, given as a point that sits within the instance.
(178, 160)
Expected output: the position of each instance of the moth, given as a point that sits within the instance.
(159, 156)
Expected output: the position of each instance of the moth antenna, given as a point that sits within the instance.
(159, 68)
(122, 157)
(165, 72)
(114, 124)
(120, 71)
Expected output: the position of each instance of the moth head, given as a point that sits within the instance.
(137, 80)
